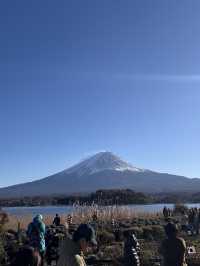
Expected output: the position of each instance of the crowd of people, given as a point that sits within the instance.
(193, 220)
(167, 212)
(72, 249)
(189, 219)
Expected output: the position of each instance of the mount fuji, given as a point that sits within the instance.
(103, 170)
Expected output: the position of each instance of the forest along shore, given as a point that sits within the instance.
(103, 197)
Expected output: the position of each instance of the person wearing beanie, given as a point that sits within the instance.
(72, 250)
(173, 247)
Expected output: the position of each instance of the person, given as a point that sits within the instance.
(56, 220)
(26, 256)
(184, 223)
(191, 220)
(72, 250)
(165, 212)
(131, 250)
(69, 219)
(173, 247)
(36, 235)
(95, 216)
(169, 212)
(69, 224)
(198, 221)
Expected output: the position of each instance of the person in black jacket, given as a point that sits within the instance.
(56, 220)
(173, 248)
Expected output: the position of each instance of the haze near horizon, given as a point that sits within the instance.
(77, 78)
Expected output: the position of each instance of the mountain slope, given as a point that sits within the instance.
(103, 171)
(100, 162)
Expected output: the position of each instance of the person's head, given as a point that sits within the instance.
(171, 230)
(57, 215)
(84, 236)
(27, 256)
(38, 218)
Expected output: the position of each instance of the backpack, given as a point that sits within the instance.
(34, 235)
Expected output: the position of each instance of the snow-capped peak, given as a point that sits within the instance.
(100, 162)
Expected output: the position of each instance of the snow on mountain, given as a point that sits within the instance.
(102, 171)
(100, 162)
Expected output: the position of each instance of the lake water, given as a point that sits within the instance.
(52, 210)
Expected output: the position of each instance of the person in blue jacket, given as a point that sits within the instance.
(36, 234)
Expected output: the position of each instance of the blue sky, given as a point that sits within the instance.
(77, 77)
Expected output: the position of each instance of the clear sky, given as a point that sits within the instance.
(77, 77)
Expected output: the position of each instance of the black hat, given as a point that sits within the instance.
(171, 228)
(85, 231)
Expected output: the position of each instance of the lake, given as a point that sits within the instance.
(52, 210)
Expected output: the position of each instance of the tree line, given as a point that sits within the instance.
(103, 197)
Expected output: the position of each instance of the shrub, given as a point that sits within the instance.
(105, 237)
(112, 251)
(2, 254)
(148, 222)
(158, 232)
(134, 221)
(148, 232)
(155, 222)
(138, 231)
(153, 232)
(146, 257)
(141, 221)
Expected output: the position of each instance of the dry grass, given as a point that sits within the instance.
(120, 213)
(23, 221)
(84, 214)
